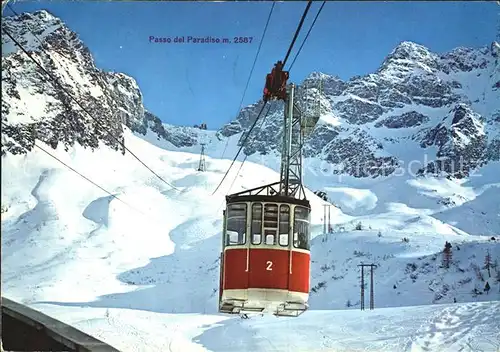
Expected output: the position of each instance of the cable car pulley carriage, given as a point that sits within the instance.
(265, 259)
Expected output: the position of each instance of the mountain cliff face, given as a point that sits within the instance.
(94, 106)
(418, 98)
(443, 106)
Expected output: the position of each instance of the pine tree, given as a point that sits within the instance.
(498, 279)
(487, 287)
(495, 264)
(487, 262)
(322, 195)
(447, 255)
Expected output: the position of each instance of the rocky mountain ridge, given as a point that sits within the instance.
(94, 105)
(446, 106)
(415, 96)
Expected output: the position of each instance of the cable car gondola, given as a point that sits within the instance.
(265, 258)
(275, 87)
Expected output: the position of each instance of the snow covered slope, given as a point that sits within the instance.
(444, 106)
(146, 260)
(441, 110)
(446, 328)
(67, 243)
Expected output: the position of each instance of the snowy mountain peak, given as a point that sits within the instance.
(42, 23)
(68, 244)
(411, 51)
(39, 17)
(44, 16)
(37, 108)
(408, 59)
(464, 59)
(430, 99)
(416, 95)
(320, 76)
(495, 49)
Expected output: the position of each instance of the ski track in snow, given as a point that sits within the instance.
(459, 327)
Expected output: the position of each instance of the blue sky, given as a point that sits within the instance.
(188, 84)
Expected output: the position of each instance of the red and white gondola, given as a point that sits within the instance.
(265, 257)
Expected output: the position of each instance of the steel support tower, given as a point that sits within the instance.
(291, 154)
(201, 165)
(297, 126)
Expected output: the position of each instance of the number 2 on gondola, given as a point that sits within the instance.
(269, 265)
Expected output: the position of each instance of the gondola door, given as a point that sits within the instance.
(285, 240)
(256, 240)
(221, 257)
(269, 256)
(235, 258)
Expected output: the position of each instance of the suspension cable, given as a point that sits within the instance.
(246, 156)
(32, 31)
(241, 147)
(243, 162)
(251, 71)
(297, 31)
(83, 176)
(284, 62)
(307, 35)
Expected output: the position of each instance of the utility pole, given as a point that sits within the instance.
(329, 223)
(201, 165)
(327, 229)
(372, 303)
(362, 288)
(324, 217)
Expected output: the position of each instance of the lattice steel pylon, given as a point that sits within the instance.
(291, 151)
(297, 126)
(362, 300)
(201, 165)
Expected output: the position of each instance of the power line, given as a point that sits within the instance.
(54, 79)
(201, 164)
(251, 71)
(297, 31)
(237, 173)
(31, 30)
(89, 180)
(289, 50)
(362, 300)
(83, 176)
(246, 156)
(284, 61)
(307, 35)
(241, 147)
(243, 162)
